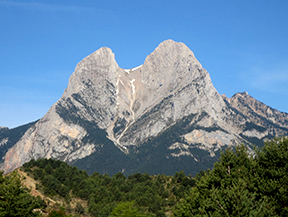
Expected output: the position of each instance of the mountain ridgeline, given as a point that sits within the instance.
(161, 117)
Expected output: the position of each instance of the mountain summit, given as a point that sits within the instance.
(161, 117)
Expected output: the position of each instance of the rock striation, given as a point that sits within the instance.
(160, 117)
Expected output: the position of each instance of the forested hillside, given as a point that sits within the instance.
(150, 195)
(238, 185)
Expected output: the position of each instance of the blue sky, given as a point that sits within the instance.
(242, 44)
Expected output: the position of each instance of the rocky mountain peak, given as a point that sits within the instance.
(240, 94)
(258, 110)
(170, 85)
(171, 66)
(172, 46)
(97, 66)
(171, 57)
(165, 109)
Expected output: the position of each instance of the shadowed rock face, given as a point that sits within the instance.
(105, 104)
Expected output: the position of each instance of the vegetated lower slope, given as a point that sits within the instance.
(238, 185)
(142, 193)
(15, 199)
(241, 185)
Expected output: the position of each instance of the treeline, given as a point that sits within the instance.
(242, 183)
(149, 195)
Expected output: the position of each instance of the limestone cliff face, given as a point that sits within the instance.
(170, 85)
(9, 137)
(250, 106)
(90, 96)
(263, 120)
(169, 96)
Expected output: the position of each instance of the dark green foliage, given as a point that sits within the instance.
(127, 209)
(48, 169)
(240, 185)
(15, 199)
(37, 173)
(107, 160)
(56, 213)
(272, 166)
(79, 208)
(138, 193)
(56, 176)
(254, 140)
(154, 155)
(252, 126)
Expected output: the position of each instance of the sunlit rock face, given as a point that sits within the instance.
(145, 118)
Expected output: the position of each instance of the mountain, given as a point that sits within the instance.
(9, 137)
(160, 117)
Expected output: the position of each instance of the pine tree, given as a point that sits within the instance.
(229, 189)
(14, 198)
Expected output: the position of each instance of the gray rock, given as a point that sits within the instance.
(133, 106)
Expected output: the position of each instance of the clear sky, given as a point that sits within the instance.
(242, 44)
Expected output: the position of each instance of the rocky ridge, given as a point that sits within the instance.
(136, 110)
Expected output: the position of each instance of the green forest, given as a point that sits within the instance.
(242, 183)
